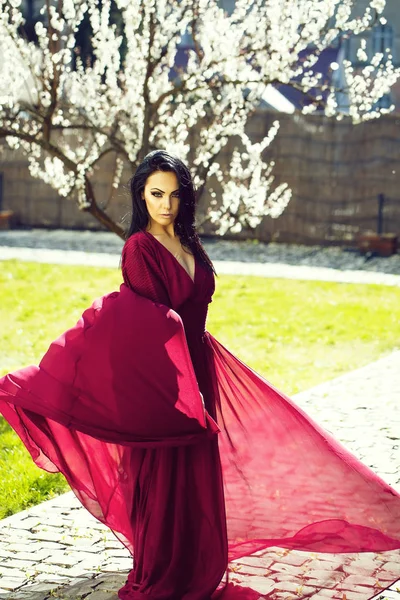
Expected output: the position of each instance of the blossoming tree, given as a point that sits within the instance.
(66, 115)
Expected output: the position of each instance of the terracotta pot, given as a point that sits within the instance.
(6, 218)
(384, 244)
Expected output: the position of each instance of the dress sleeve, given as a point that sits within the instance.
(141, 271)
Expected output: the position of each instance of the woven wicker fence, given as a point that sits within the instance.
(336, 171)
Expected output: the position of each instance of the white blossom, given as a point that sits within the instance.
(65, 119)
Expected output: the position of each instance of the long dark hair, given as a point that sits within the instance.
(184, 224)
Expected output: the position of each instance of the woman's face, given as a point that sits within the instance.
(161, 194)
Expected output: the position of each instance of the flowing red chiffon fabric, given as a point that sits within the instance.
(189, 485)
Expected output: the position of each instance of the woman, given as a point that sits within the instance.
(189, 456)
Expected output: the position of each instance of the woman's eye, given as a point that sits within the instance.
(158, 194)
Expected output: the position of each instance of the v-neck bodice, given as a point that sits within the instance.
(193, 280)
(149, 265)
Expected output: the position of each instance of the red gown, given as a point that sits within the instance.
(189, 485)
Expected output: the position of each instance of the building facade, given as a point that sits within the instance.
(383, 37)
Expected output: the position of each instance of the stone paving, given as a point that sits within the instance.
(59, 550)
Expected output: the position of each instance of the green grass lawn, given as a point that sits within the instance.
(295, 333)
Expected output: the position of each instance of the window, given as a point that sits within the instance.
(382, 39)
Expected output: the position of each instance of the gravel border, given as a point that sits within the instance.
(219, 249)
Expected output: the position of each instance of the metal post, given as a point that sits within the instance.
(381, 201)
